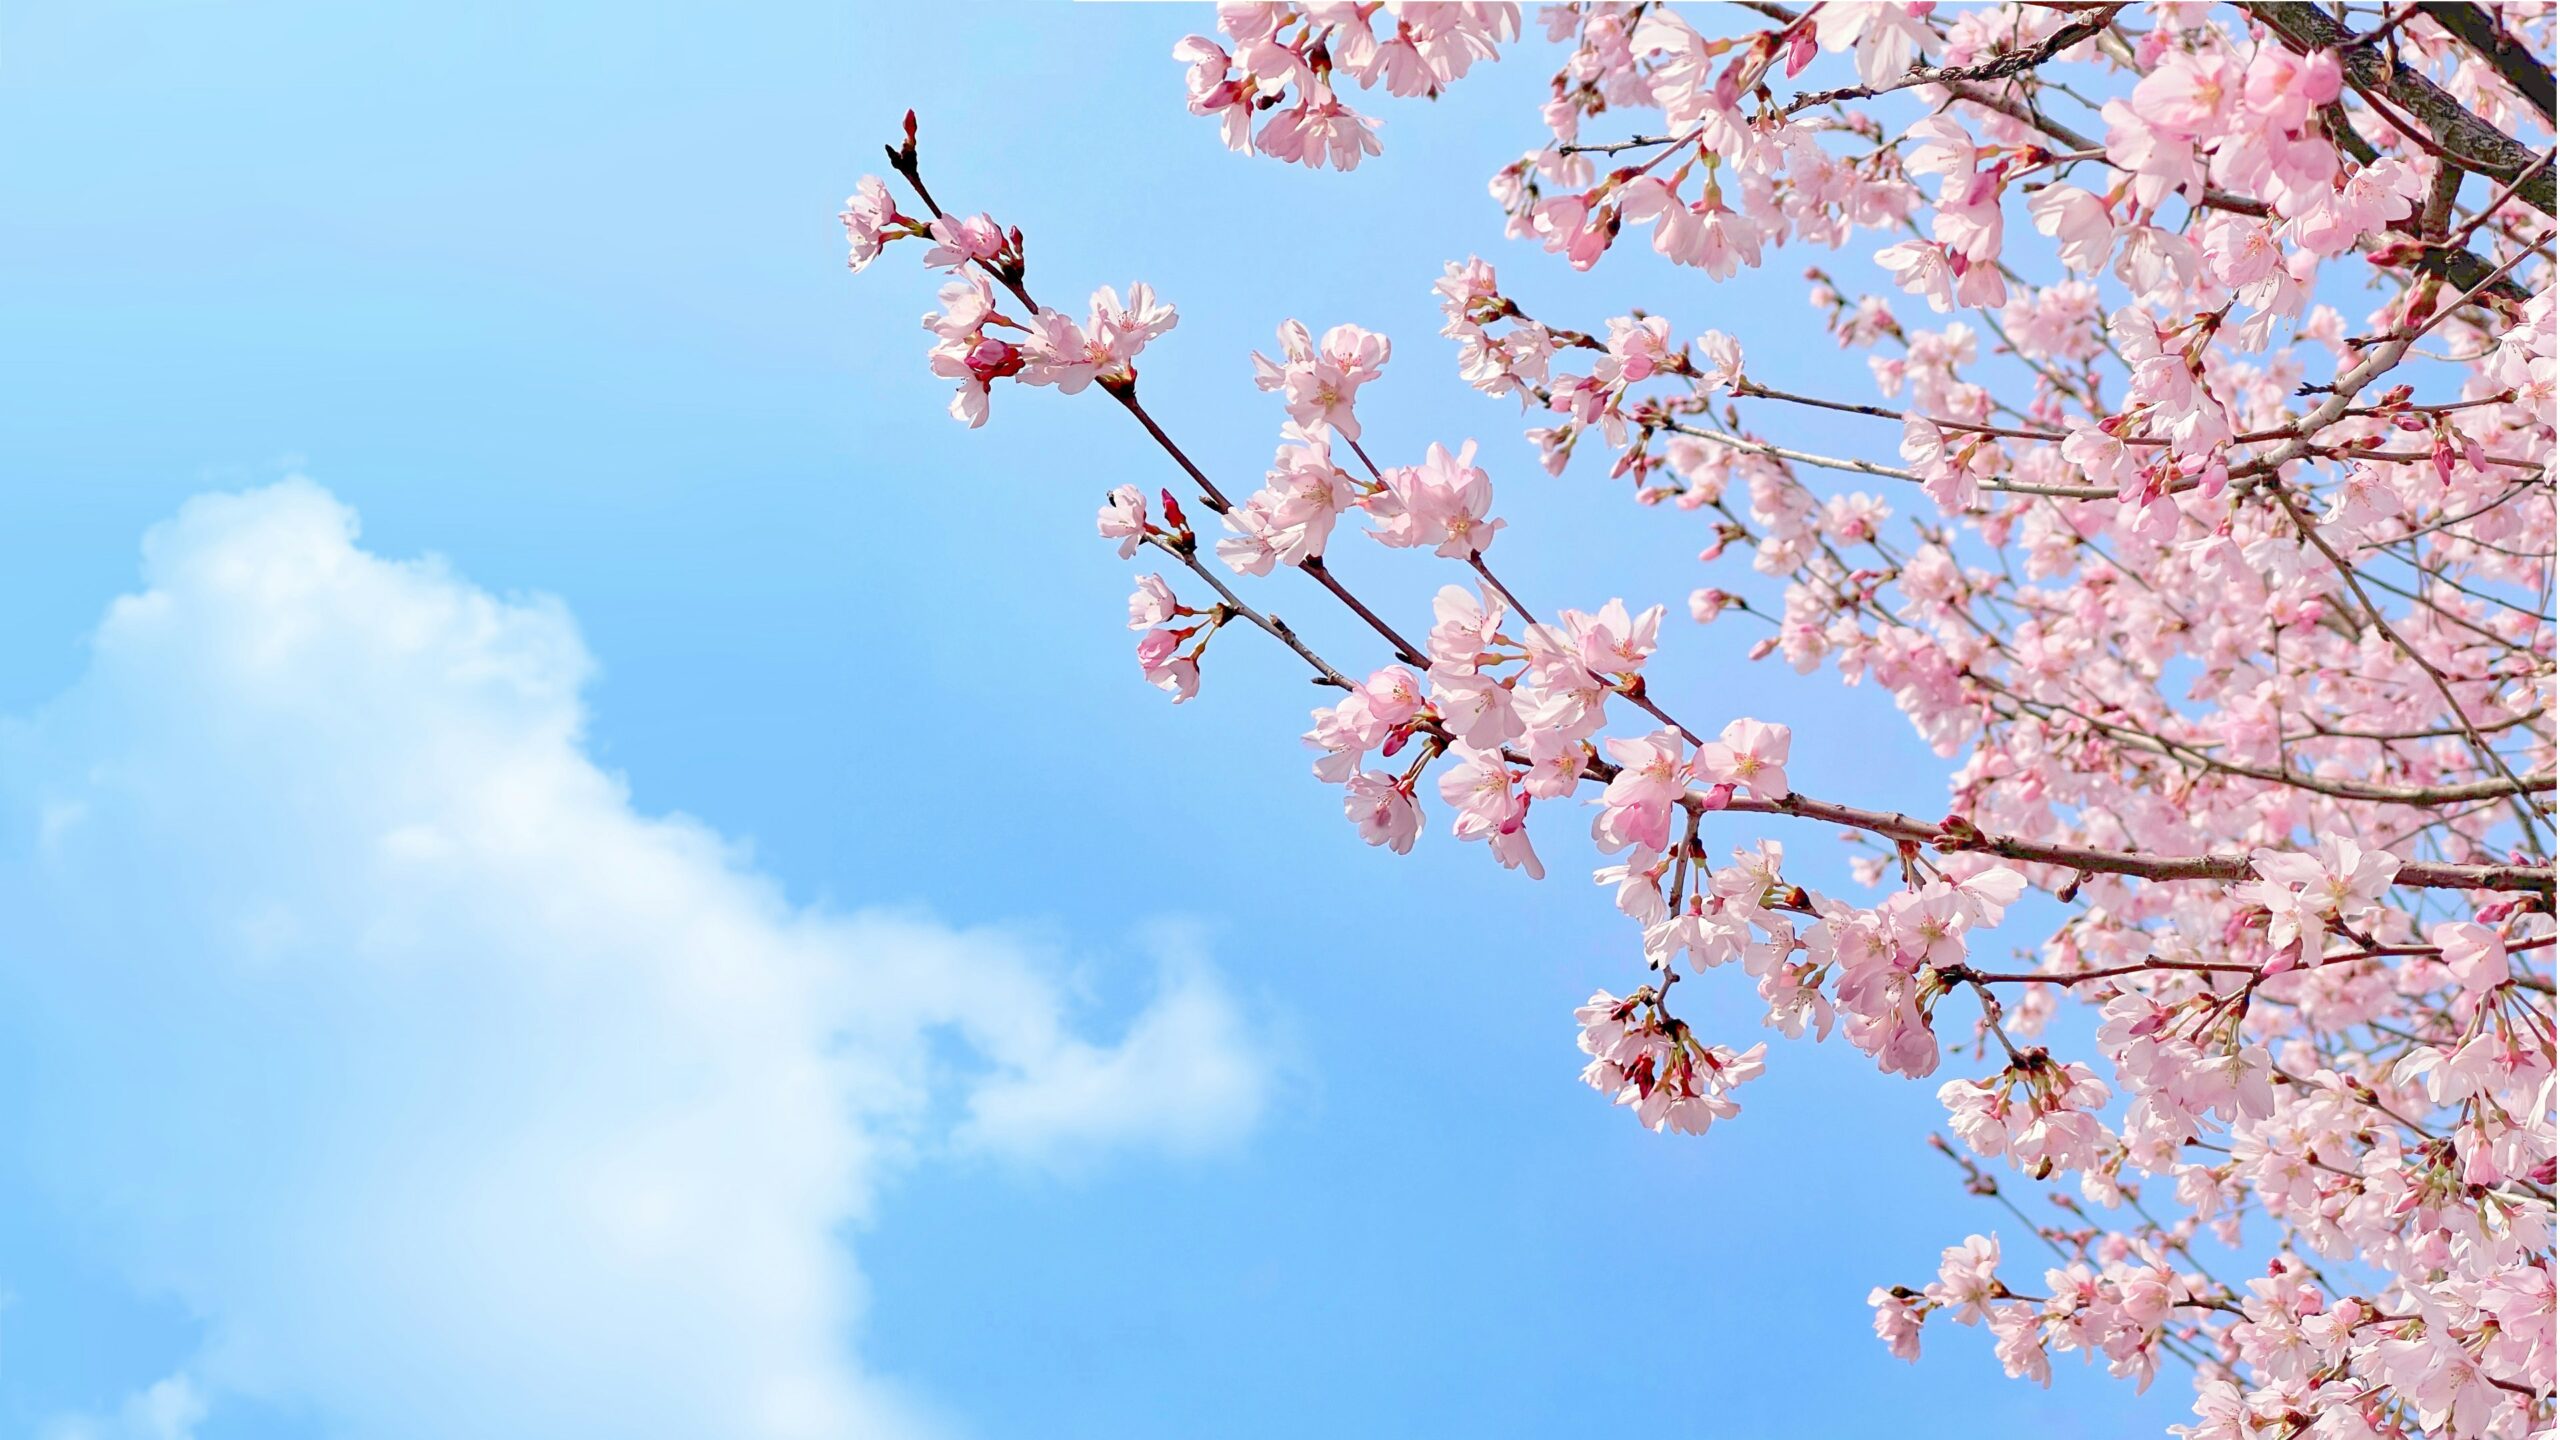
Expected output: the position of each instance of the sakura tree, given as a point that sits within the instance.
(2202, 519)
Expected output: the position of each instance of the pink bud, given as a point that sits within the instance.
(993, 359)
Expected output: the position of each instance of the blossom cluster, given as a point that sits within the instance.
(1287, 62)
(2199, 514)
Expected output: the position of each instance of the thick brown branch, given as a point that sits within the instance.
(2471, 142)
(2484, 35)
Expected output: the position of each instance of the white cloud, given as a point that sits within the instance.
(168, 1409)
(454, 1095)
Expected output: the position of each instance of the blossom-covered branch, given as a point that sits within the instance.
(2213, 369)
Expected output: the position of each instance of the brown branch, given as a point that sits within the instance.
(2471, 142)
(1998, 67)
(2485, 35)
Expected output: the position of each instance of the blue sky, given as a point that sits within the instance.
(982, 1046)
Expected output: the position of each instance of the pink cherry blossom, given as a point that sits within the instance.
(959, 243)
(1124, 518)
(1441, 503)
(1152, 603)
(2219, 345)
(1383, 808)
(1749, 752)
(871, 220)
(1166, 667)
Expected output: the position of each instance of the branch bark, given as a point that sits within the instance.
(2482, 33)
(2473, 143)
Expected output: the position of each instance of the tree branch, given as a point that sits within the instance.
(2471, 142)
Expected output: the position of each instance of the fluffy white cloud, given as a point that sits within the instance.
(454, 1095)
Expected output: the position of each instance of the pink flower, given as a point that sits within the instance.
(1928, 926)
(2018, 1341)
(1125, 329)
(1727, 239)
(1123, 517)
(1888, 37)
(1165, 668)
(2473, 952)
(1968, 1279)
(2104, 459)
(1678, 234)
(1720, 363)
(1640, 346)
(1898, 1318)
(1440, 503)
(1637, 882)
(2283, 88)
(1319, 131)
(1479, 788)
(1152, 603)
(1708, 603)
(1346, 731)
(1570, 227)
(2079, 224)
(1394, 695)
(1749, 752)
(1609, 642)
(964, 352)
(1214, 92)
(1656, 1067)
(871, 220)
(2304, 894)
(1556, 764)
(1464, 627)
(1921, 267)
(1320, 386)
(2037, 1112)
(2372, 197)
(1384, 810)
(1986, 895)
(1636, 806)
(2191, 94)
(957, 243)
(1059, 353)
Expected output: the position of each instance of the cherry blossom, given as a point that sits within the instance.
(2212, 350)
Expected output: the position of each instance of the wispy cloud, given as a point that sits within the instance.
(454, 1095)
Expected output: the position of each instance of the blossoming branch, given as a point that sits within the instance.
(2216, 364)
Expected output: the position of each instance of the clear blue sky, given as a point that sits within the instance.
(561, 300)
